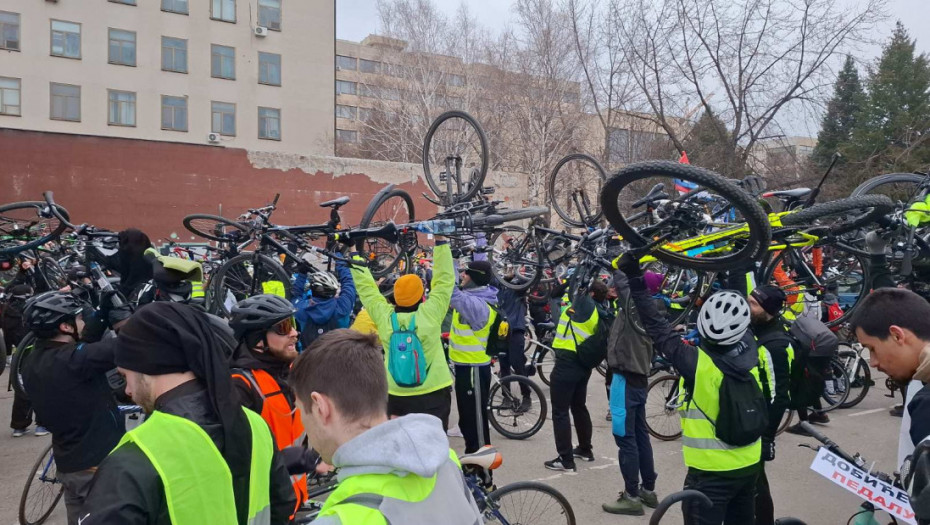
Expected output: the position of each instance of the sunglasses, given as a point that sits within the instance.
(284, 327)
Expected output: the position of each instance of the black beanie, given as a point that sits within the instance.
(480, 272)
(770, 298)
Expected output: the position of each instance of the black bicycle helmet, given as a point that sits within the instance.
(46, 311)
(259, 313)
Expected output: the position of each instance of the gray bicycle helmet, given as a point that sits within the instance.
(259, 313)
(724, 318)
(46, 311)
(324, 285)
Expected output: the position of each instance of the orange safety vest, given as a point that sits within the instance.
(281, 417)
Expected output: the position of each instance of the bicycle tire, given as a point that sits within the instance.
(553, 190)
(367, 218)
(3, 352)
(869, 185)
(862, 376)
(544, 366)
(508, 257)
(198, 223)
(219, 294)
(760, 232)
(656, 384)
(497, 414)
(840, 388)
(52, 272)
(877, 206)
(530, 486)
(55, 498)
(23, 348)
(37, 206)
(679, 315)
(432, 181)
(785, 422)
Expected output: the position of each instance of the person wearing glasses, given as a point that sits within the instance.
(266, 332)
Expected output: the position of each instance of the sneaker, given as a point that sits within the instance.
(625, 504)
(610, 417)
(455, 432)
(41, 431)
(649, 498)
(525, 405)
(819, 418)
(556, 464)
(897, 411)
(584, 455)
(796, 429)
(19, 432)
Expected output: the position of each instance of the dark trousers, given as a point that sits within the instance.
(628, 417)
(470, 408)
(765, 507)
(76, 486)
(514, 361)
(21, 416)
(568, 392)
(438, 403)
(733, 498)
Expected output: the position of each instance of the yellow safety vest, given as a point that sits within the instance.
(467, 346)
(569, 334)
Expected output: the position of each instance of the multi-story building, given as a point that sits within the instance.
(782, 157)
(252, 74)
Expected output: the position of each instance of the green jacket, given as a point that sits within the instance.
(430, 316)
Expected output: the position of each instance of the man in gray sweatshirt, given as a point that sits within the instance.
(390, 471)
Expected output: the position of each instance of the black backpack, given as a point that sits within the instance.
(593, 350)
(744, 413)
(311, 331)
(814, 344)
(497, 344)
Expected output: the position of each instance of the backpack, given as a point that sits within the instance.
(744, 413)
(406, 359)
(498, 337)
(593, 350)
(809, 338)
(310, 331)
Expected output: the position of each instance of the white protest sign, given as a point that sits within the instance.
(885, 497)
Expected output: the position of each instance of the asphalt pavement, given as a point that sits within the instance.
(867, 428)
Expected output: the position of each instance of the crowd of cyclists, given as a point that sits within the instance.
(345, 376)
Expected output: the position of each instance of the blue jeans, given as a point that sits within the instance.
(628, 413)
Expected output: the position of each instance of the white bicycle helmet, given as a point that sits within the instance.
(724, 318)
(324, 285)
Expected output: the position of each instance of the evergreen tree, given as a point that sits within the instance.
(842, 113)
(710, 145)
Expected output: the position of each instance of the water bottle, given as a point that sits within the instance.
(437, 227)
(866, 515)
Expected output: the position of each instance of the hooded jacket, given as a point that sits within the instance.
(411, 445)
(471, 304)
(321, 311)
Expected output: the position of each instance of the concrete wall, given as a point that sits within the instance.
(118, 183)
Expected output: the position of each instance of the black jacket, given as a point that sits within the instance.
(246, 395)
(127, 489)
(67, 385)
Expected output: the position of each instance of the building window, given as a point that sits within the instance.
(346, 135)
(369, 66)
(175, 6)
(66, 39)
(224, 10)
(9, 96)
(223, 62)
(269, 69)
(127, 2)
(173, 113)
(364, 114)
(455, 80)
(174, 54)
(345, 63)
(345, 88)
(348, 112)
(9, 31)
(269, 123)
(269, 14)
(122, 111)
(224, 118)
(66, 102)
(122, 47)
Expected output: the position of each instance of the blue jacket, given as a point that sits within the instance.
(321, 311)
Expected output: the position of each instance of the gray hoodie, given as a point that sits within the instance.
(414, 444)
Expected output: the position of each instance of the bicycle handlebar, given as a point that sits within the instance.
(81, 229)
(829, 443)
(674, 498)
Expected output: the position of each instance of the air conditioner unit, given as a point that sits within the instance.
(213, 138)
(261, 31)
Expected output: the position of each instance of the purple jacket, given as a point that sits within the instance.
(471, 304)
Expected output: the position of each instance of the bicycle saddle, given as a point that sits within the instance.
(792, 194)
(486, 457)
(546, 326)
(335, 203)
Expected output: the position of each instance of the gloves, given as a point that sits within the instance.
(629, 265)
(299, 460)
(768, 450)
(114, 308)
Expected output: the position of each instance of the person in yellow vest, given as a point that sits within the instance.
(568, 387)
(474, 310)
(199, 457)
(390, 470)
(726, 473)
(266, 332)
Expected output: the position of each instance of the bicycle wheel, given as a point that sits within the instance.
(840, 216)
(3, 352)
(214, 227)
(42, 491)
(514, 259)
(898, 186)
(528, 502)
(53, 273)
(505, 413)
(240, 278)
(689, 239)
(805, 281)
(545, 361)
(24, 225)
(679, 291)
(574, 189)
(23, 348)
(457, 137)
(785, 422)
(394, 206)
(662, 419)
(860, 376)
(836, 386)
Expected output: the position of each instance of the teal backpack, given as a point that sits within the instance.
(406, 360)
